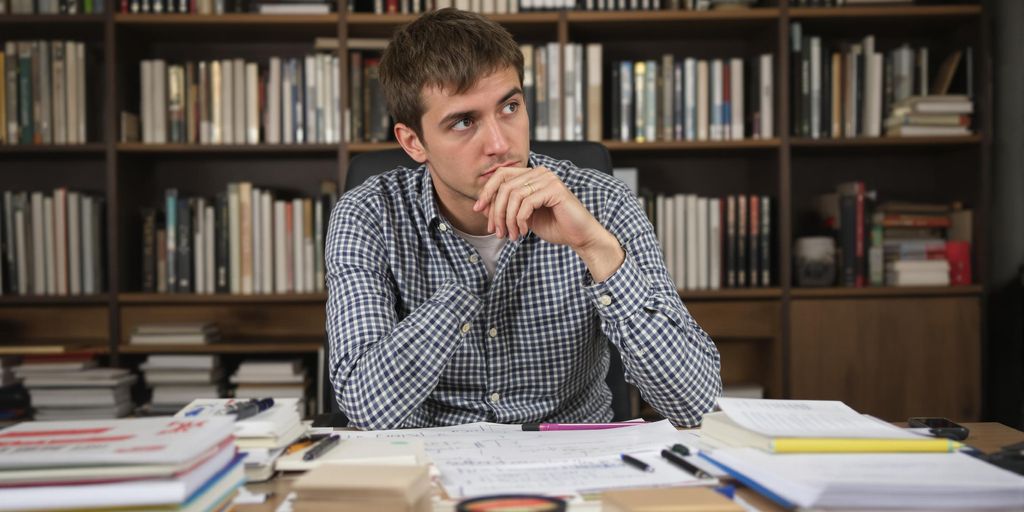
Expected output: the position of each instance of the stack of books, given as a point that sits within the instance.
(178, 379)
(257, 379)
(931, 116)
(140, 464)
(14, 402)
(390, 488)
(185, 333)
(62, 388)
(917, 273)
(261, 438)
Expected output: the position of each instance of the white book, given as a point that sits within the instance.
(570, 72)
(703, 245)
(767, 88)
(235, 240)
(216, 103)
(667, 95)
(702, 100)
(579, 126)
(255, 204)
(692, 244)
(274, 102)
(49, 246)
(267, 238)
(322, 94)
(58, 96)
(287, 124)
(146, 101)
(815, 72)
(874, 89)
(199, 246)
(182, 362)
(74, 243)
(204, 99)
(72, 101)
(227, 104)
(252, 103)
(868, 46)
(298, 268)
(280, 249)
(554, 89)
(679, 240)
(210, 265)
(38, 247)
(736, 98)
(333, 100)
(238, 99)
(159, 82)
(651, 101)
(715, 243)
(60, 239)
(690, 98)
(594, 88)
(80, 93)
(318, 246)
(310, 95)
(275, 421)
(20, 243)
(89, 246)
(716, 99)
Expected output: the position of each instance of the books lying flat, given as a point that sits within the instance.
(118, 410)
(809, 426)
(921, 481)
(182, 394)
(84, 397)
(380, 452)
(278, 420)
(180, 362)
(97, 377)
(182, 376)
(176, 328)
(357, 488)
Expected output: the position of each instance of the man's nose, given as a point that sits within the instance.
(497, 141)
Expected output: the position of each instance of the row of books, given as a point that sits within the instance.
(249, 240)
(52, 244)
(73, 387)
(690, 99)
(66, 7)
(897, 243)
(231, 101)
(712, 243)
(848, 89)
(208, 7)
(43, 92)
(514, 6)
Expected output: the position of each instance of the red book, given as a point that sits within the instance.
(958, 254)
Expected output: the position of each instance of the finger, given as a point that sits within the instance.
(501, 175)
(526, 185)
(498, 207)
(515, 198)
(529, 205)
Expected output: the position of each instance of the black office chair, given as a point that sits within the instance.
(589, 155)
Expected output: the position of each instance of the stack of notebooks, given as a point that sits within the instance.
(334, 488)
(143, 464)
(183, 333)
(256, 379)
(261, 438)
(823, 454)
(931, 116)
(63, 389)
(178, 379)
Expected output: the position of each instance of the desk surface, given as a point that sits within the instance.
(986, 437)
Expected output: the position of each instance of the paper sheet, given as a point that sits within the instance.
(806, 418)
(483, 458)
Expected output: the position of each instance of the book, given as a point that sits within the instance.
(383, 452)
(279, 419)
(677, 499)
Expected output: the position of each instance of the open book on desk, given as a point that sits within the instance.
(809, 426)
(378, 452)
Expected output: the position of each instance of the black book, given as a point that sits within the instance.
(616, 102)
(826, 92)
(184, 244)
(149, 250)
(805, 87)
(795, 78)
(221, 249)
(10, 264)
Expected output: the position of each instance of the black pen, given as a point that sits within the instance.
(679, 461)
(637, 463)
(243, 410)
(321, 447)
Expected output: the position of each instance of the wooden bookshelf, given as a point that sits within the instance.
(771, 336)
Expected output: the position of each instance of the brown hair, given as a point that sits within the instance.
(449, 49)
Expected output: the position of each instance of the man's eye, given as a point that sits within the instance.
(462, 124)
(511, 107)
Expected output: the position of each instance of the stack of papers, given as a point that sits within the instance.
(333, 488)
(266, 434)
(141, 464)
(382, 452)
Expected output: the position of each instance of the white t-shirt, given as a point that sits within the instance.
(488, 246)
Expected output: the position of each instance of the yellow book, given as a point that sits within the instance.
(718, 428)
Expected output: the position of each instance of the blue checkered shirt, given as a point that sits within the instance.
(420, 335)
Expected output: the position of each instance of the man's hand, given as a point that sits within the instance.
(517, 199)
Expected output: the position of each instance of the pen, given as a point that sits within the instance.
(679, 461)
(637, 463)
(321, 447)
(548, 427)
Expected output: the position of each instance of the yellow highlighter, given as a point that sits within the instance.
(833, 445)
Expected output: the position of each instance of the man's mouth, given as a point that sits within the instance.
(494, 169)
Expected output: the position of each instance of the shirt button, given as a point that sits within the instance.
(443, 227)
(495, 397)
(641, 352)
(605, 300)
(493, 332)
(474, 258)
(466, 327)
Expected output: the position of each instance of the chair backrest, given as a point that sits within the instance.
(589, 155)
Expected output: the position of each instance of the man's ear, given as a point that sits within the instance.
(410, 142)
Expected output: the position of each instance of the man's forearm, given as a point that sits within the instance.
(602, 257)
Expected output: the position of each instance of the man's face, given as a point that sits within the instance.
(466, 137)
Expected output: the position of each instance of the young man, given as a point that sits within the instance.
(484, 284)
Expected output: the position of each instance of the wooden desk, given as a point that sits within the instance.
(987, 437)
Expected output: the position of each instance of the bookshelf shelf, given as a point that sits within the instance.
(189, 298)
(930, 142)
(861, 13)
(366, 147)
(225, 20)
(52, 19)
(53, 150)
(887, 291)
(56, 347)
(226, 28)
(292, 346)
(712, 16)
(731, 294)
(213, 149)
(752, 144)
(53, 300)
(528, 25)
